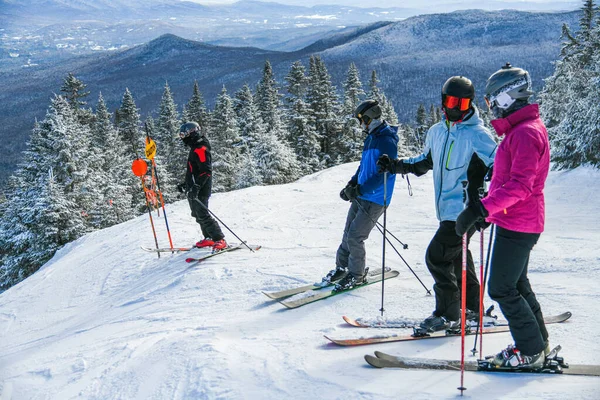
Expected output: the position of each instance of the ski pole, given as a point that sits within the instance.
(480, 330)
(482, 288)
(463, 299)
(222, 223)
(150, 154)
(384, 238)
(396, 250)
(404, 245)
(150, 215)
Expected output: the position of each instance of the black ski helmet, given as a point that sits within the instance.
(189, 130)
(367, 111)
(462, 88)
(507, 90)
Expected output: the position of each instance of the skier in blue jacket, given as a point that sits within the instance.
(365, 191)
(458, 148)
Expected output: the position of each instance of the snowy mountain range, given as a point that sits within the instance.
(105, 320)
(413, 57)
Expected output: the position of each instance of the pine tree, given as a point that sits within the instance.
(171, 152)
(129, 127)
(568, 106)
(375, 93)
(268, 101)
(195, 109)
(226, 145)
(303, 137)
(323, 103)
(349, 143)
(74, 90)
(42, 212)
(251, 132)
(128, 124)
(113, 202)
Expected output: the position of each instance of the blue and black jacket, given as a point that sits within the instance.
(382, 139)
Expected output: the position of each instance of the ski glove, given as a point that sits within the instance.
(193, 192)
(343, 194)
(181, 187)
(352, 192)
(385, 163)
(474, 213)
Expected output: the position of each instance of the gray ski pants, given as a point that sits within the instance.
(359, 223)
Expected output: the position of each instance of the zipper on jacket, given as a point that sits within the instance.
(449, 153)
(442, 171)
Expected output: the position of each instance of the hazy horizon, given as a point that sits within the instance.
(442, 5)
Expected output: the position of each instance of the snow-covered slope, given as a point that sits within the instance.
(106, 320)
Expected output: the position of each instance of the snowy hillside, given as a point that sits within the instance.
(106, 320)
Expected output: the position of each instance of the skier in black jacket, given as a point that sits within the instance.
(198, 184)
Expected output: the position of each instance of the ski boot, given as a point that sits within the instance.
(206, 242)
(349, 281)
(332, 276)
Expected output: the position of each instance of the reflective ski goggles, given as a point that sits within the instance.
(501, 100)
(184, 134)
(462, 103)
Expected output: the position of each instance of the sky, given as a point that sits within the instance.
(444, 5)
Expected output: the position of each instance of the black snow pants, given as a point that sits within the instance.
(444, 261)
(509, 286)
(210, 228)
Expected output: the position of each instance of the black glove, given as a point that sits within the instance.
(482, 225)
(475, 212)
(352, 192)
(181, 187)
(385, 163)
(343, 194)
(193, 192)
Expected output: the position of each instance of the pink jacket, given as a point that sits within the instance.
(516, 195)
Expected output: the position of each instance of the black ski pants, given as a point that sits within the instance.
(359, 223)
(210, 228)
(444, 261)
(510, 287)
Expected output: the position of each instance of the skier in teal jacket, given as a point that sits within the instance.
(458, 148)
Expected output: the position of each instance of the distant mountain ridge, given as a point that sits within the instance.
(412, 57)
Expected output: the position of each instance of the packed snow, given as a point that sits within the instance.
(106, 320)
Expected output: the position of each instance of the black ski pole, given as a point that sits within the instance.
(485, 274)
(396, 250)
(222, 223)
(384, 239)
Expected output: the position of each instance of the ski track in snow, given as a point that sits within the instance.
(105, 320)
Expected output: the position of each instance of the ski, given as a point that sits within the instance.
(315, 286)
(553, 365)
(225, 250)
(399, 323)
(435, 335)
(312, 296)
(167, 249)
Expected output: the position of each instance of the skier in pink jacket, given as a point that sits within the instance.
(515, 203)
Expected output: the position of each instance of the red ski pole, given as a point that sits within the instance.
(463, 301)
(139, 168)
(481, 285)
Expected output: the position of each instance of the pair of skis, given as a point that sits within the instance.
(499, 326)
(205, 256)
(552, 365)
(300, 296)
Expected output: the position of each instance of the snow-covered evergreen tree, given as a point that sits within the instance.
(252, 131)
(171, 153)
(325, 109)
(349, 142)
(303, 137)
(569, 101)
(387, 108)
(75, 91)
(42, 213)
(226, 145)
(128, 123)
(268, 101)
(112, 175)
(195, 109)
